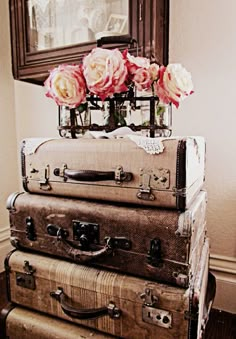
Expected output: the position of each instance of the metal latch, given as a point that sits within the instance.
(30, 229)
(145, 189)
(153, 315)
(154, 254)
(26, 279)
(156, 179)
(44, 184)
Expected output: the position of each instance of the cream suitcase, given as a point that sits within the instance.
(164, 172)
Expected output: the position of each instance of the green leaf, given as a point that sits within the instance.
(160, 110)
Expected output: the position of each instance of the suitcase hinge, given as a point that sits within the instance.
(44, 184)
(26, 279)
(145, 189)
(179, 192)
(153, 315)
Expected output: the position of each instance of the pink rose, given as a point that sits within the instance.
(105, 72)
(66, 85)
(134, 63)
(142, 79)
(174, 84)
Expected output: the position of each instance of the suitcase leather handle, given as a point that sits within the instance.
(78, 313)
(77, 254)
(90, 175)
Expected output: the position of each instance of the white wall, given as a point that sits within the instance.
(8, 164)
(202, 38)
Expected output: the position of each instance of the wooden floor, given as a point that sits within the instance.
(221, 325)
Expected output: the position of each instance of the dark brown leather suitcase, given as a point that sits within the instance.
(159, 244)
(164, 172)
(21, 323)
(117, 304)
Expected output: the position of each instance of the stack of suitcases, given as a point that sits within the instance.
(110, 241)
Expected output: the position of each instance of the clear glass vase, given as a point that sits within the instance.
(163, 120)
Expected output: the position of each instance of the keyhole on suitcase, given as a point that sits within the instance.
(151, 314)
(86, 233)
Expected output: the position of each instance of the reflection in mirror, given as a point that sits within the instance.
(58, 23)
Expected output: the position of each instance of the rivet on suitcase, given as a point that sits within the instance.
(121, 305)
(159, 244)
(165, 172)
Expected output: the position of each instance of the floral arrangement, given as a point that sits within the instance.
(105, 73)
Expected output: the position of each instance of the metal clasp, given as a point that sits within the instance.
(154, 254)
(44, 184)
(149, 298)
(30, 229)
(145, 189)
(26, 279)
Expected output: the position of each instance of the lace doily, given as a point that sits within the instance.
(150, 145)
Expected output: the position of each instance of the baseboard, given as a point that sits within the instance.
(5, 245)
(224, 269)
(4, 234)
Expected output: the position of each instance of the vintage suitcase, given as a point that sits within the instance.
(159, 244)
(20, 323)
(117, 304)
(123, 169)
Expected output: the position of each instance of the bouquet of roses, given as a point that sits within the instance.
(105, 72)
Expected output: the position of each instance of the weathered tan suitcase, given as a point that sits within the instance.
(121, 305)
(117, 169)
(20, 323)
(159, 244)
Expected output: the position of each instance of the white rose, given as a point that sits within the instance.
(178, 81)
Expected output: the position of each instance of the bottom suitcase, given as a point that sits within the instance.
(121, 305)
(20, 323)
